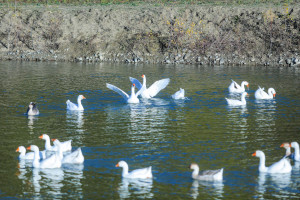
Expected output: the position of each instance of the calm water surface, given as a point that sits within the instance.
(161, 132)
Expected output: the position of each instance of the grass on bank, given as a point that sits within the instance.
(138, 2)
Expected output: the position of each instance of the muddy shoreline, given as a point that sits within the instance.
(197, 34)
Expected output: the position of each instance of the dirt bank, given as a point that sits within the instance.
(205, 34)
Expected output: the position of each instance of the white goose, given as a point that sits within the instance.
(179, 94)
(30, 155)
(261, 94)
(296, 155)
(153, 89)
(287, 146)
(32, 109)
(236, 88)
(129, 99)
(73, 106)
(207, 175)
(235, 102)
(50, 162)
(65, 146)
(137, 173)
(282, 166)
(74, 157)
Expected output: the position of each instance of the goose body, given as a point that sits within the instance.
(207, 175)
(261, 94)
(32, 109)
(51, 162)
(153, 90)
(73, 106)
(235, 102)
(137, 173)
(74, 157)
(65, 146)
(296, 154)
(30, 155)
(179, 94)
(132, 98)
(234, 87)
(282, 166)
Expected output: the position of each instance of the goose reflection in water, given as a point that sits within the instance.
(237, 118)
(216, 188)
(137, 187)
(75, 118)
(139, 121)
(274, 182)
(48, 179)
(265, 114)
(31, 120)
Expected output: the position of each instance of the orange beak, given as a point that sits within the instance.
(29, 148)
(274, 95)
(254, 154)
(83, 97)
(53, 140)
(282, 145)
(247, 95)
(143, 76)
(18, 149)
(41, 137)
(248, 85)
(133, 85)
(117, 165)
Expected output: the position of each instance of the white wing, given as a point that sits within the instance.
(137, 83)
(158, 86)
(71, 106)
(118, 90)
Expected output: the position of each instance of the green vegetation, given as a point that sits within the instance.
(135, 2)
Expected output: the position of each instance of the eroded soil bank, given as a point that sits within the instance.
(260, 34)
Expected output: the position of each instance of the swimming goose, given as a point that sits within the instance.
(65, 146)
(32, 109)
(73, 106)
(129, 99)
(153, 89)
(235, 102)
(261, 94)
(207, 175)
(236, 88)
(287, 146)
(51, 162)
(296, 155)
(74, 157)
(179, 94)
(137, 173)
(30, 155)
(282, 166)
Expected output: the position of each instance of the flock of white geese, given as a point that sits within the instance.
(54, 156)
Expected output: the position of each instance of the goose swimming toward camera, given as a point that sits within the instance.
(207, 175)
(51, 162)
(235, 102)
(179, 94)
(137, 173)
(261, 94)
(282, 166)
(129, 99)
(74, 157)
(236, 88)
(32, 109)
(73, 106)
(30, 155)
(153, 90)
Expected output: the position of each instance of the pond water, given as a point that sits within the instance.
(160, 132)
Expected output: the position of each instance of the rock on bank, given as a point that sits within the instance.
(204, 34)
